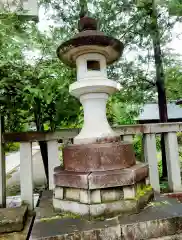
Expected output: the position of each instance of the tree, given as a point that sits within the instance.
(173, 83)
(35, 92)
(43, 83)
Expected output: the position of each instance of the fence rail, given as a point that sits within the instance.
(127, 133)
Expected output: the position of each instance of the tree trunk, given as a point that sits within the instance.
(160, 80)
(42, 144)
(44, 153)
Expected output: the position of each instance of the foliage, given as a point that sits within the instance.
(175, 7)
(12, 147)
(160, 168)
(124, 114)
(173, 82)
(38, 90)
(137, 143)
(138, 146)
(179, 136)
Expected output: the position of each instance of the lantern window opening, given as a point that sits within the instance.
(93, 65)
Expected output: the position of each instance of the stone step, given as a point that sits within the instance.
(173, 237)
(79, 230)
(12, 219)
(161, 218)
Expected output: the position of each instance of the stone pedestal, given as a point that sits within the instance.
(101, 180)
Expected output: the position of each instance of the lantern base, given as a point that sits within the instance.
(102, 194)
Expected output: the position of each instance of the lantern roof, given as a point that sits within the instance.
(89, 40)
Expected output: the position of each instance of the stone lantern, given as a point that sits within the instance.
(100, 176)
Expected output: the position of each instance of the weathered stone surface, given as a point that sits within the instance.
(98, 156)
(84, 196)
(58, 192)
(110, 194)
(103, 179)
(71, 206)
(129, 192)
(72, 236)
(89, 235)
(173, 237)
(95, 196)
(72, 194)
(12, 219)
(120, 178)
(107, 209)
(22, 235)
(109, 233)
(113, 208)
(162, 218)
(71, 179)
(149, 229)
(145, 199)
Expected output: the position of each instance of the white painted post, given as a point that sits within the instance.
(173, 163)
(2, 169)
(26, 174)
(128, 138)
(53, 160)
(150, 155)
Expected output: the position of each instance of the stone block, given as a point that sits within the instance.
(12, 219)
(72, 236)
(72, 179)
(98, 156)
(71, 206)
(89, 235)
(130, 192)
(110, 194)
(58, 192)
(109, 233)
(102, 179)
(113, 208)
(118, 178)
(84, 196)
(72, 194)
(172, 237)
(95, 196)
(149, 229)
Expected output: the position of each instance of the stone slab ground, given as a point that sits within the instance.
(12, 219)
(162, 219)
(15, 221)
(22, 235)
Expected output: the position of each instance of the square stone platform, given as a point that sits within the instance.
(161, 219)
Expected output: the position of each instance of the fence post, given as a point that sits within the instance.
(150, 155)
(26, 174)
(2, 167)
(53, 160)
(173, 163)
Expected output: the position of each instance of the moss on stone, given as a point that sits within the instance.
(142, 190)
(62, 215)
